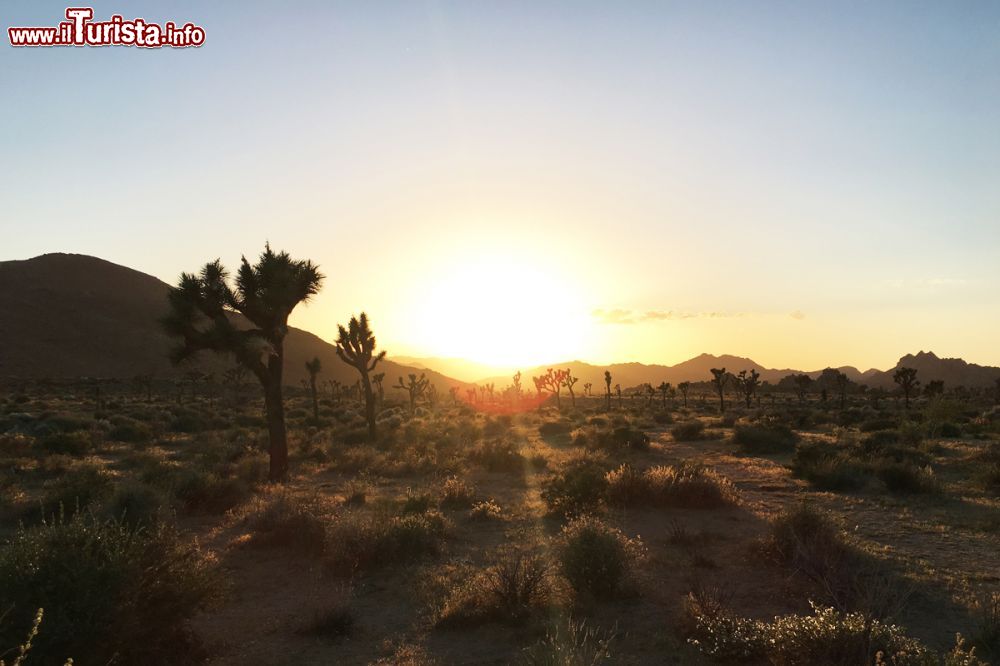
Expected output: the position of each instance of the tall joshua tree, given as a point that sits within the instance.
(356, 348)
(416, 387)
(313, 367)
(664, 388)
(607, 388)
(683, 387)
(720, 379)
(569, 381)
(748, 383)
(907, 380)
(201, 317)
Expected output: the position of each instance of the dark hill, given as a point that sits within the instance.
(69, 315)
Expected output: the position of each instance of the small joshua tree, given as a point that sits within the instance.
(934, 388)
(607, 388)
(265, 293)
(552, 381)
(314, 367)
(719, 380)
(748, 383)
(908, 382)
(802, 384)
(664, 389)
(569, 381)
(586, 389)
(684, 387)
(415, 387)
(453, 392)
(841, 381)
(618, 392)
(356, 348)
(378, 378)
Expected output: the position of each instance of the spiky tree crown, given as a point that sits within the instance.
(356, 344)
(314, 367)
(265, 293)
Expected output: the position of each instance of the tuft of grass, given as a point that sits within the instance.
(683, 486)
(506, 592)
(571, 643)
(289, 521)
(456, 493)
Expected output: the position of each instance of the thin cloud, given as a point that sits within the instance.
(621, 316)
(798, 315)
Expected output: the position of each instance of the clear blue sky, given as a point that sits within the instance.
(749, 159)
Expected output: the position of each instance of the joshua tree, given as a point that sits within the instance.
(488, 389)
(618, 392)
(265, 293)
(552, 381)
(313, 367)
(416, 387)
(907, 380)
(586, 389)
(235, 378)
(377, 379)
(516, 384)
(356, 348)
(664, 389)
(748, 383)
(996, 397)
(720, 379)
(453, 391)
(934, 387)
(650, 392)
(607, 384)
(842, 382)
(802, 384)
(144, 382)
(684, 387)
(569, 381)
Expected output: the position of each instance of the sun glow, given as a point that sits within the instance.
(499, 310)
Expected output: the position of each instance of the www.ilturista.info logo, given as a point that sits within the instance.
(80, 30)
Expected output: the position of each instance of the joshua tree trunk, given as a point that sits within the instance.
(312, 389)
(369, 404)
(274, 406)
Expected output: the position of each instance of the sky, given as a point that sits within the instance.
(807, 184)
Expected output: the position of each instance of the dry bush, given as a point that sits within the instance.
(689, 431)
(507, 592)
(487, 510)
(359, 542)
(280, 518)
(684, 486)
(577, 490)
(596, 558)
(571, 643)
(456, 493)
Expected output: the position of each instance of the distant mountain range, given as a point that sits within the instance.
(954, 372)
(69, 315)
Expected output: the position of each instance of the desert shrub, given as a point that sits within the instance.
(287, 520)
(683, 486)
(628, 437)
(878, 423)
(774, 438)
(78, 488)
(907, 478)
(825, 637)
(986, 634)
(456, 493)
(570, 643)
(497, 426)
(135, 503)
(576, 490)
(75, 443)
(332, 623)
(358, 543)
(507, 592)
(486, 510)
(125, 429)
(828, 467)
(663, 418)
(989, 477)
(417, 502)
(688, 431)
(200, 491)
(499, 455)
(111, 592)
(596, 558)
(555, 428)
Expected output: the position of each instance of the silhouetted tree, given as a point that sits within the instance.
(684, 387)
(802, 384)
(842, 383)
(569, 381)
(996, 397)
(377, 379)
(907, 380)
(552, 381)
(453, 391)
(748, 383)
(265, 293)
(356, 348)
(415, 388)
(314, 367)
(933, 388)
(586, 389)
(607, 384)
(618, 391)
(719, 380)
(664, 390)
